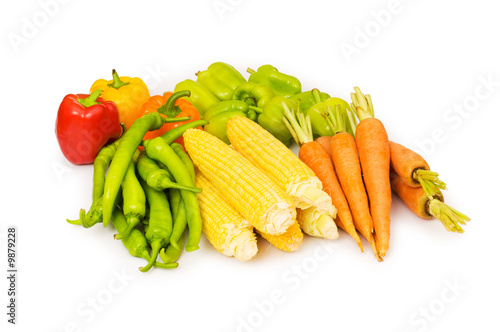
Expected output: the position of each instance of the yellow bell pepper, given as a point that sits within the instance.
(128, 93)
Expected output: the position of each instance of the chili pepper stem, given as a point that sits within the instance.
(77, 221)
(174, 265)
(316, 95)
(166, 183)
(449, 217)
(132, 222)
(155, 249)
(256, 109)
(90, 100)
(117, 82)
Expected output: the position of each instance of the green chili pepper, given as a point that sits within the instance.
(134, 199)
(179, 215)
(179, 151)
(135, 241)
(130, 141)
(271, 119)
(159, 150)
(317, 114)
(232, 105)
(221, 79)
(177, 132)
(200, 97)
(253, 94)
(156, 177)
(307, 99)
(160, 222)
(281, 84)
(172, 254)
(101, 163)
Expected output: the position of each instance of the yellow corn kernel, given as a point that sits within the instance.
(280, 163)
(317, 223)
(247, 189)
(223, 226)
(289, 241)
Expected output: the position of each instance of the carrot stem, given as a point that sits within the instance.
(449, 217)
(429, 181)
(362, 105)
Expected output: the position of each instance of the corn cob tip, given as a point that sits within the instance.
(280, 216)
(246, 247)
(327, 228)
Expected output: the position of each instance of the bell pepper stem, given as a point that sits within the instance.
(316, 96)
(117, 82)
(250, 71)
(90, 100)
(256, 109)
(169, 105)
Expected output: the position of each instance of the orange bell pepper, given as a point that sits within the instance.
(181, 108)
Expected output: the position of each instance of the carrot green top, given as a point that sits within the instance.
(362, 105)
(298, 125)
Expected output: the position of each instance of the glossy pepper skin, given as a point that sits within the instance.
(200, 97)
(180, 109)
(282, 84)
(232, 105)
(128, 93)
(257, 95)
(221, 79)
(84, 124)
(316, 114)
(307, 99)
(217, 124)
(271, 118)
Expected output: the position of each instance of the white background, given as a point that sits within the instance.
(420, 64)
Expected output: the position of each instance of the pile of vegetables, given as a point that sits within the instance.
(213, 157)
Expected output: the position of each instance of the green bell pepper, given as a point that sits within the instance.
(253, 94)
(318, 112)
(201, 97)
(232, 105)
(221, 79)
(271, 118)
(282, 84)
(309, 98)
(217, 125)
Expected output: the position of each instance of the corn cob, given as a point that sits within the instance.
(289, 241)
(257, 198)
(280, 163)
(317, 223)
(223, 226)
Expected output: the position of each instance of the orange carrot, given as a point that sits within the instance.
(374, 155)
(326, 142)
(414, 170)
(347, 166)
(425, 207)
(314, 155)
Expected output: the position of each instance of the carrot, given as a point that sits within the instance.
(347, 166)
(326, 142)
(374, 155)
(414, 170)
(425, 207)
(314, 155)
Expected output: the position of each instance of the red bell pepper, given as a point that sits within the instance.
(84, 124)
